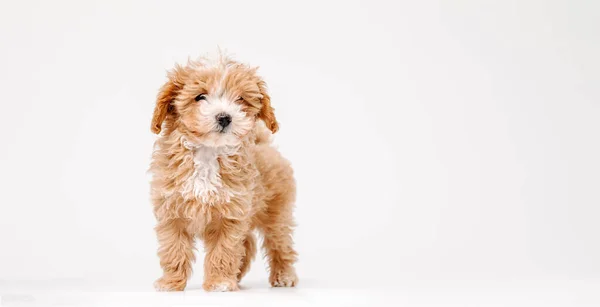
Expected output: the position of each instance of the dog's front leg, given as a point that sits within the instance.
(224, 251)
(176, 253)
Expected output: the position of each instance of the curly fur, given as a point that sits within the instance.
(219, 186)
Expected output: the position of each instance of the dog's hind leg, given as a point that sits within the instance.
(277, 228)
(248, 257)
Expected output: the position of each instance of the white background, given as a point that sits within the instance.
(432, 140)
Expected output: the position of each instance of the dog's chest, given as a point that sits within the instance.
(205, 182)
(205, 179)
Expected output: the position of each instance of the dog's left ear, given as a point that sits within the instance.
(266, 112)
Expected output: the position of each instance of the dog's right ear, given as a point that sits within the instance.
(164, 100)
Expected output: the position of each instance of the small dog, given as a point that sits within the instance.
(216, 177)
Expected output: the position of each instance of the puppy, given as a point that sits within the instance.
(216, 177)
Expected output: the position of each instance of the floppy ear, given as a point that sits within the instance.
(266, 112)
(164, 101)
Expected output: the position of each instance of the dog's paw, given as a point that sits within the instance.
(169, 284)
(221, 285)
(284, 278)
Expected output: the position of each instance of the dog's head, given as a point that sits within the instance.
(214, 103)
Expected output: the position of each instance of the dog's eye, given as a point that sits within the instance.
(200, 97)
(240, 98)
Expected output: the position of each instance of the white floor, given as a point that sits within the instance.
(506, 292)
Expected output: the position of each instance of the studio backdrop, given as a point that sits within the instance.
(430, 139)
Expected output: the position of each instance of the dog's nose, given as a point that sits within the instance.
(224, 120)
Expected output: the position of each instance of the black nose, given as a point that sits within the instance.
(224, 120)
